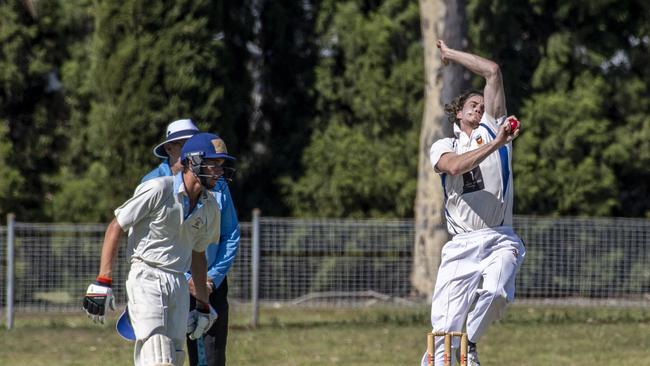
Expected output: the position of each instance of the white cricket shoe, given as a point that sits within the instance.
(472, 356)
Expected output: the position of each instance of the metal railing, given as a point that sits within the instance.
(586, 261)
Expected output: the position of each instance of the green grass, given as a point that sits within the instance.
(377, 336)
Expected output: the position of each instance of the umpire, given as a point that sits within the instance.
(209, 350)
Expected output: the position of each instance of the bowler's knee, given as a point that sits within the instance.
(498, 297)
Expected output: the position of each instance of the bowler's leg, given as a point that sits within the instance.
(456, 283)
(497, 290)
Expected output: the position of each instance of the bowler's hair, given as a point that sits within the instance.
(456, 105)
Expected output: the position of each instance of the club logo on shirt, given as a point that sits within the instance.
(479, 140)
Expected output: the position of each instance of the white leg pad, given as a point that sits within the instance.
(158, 350)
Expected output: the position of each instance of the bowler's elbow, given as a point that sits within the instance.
(493, 72)
(454, 170)
(449, 169)
(447, 163)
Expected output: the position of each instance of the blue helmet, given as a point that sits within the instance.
(206, 146)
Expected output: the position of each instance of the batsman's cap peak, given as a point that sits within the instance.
(206, 145)
(177, 130)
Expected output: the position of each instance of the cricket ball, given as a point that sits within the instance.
(514, 124)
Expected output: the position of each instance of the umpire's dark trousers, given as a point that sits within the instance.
(212, 351)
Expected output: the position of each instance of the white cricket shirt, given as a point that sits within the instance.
(482, 197)
(161, 234)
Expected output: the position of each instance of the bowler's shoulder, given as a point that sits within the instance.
(445, 143)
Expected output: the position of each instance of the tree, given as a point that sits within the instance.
(152, 63)
(439, 20)
(35, 41)
(359, 161)
(577, 74)
(280, 67)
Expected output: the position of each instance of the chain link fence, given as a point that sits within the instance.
(570, 261)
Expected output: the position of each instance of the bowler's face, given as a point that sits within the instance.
(472, 111)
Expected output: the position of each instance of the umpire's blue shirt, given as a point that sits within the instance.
(221, 256)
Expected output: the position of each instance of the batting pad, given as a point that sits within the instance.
(124, 327)
(158, 350)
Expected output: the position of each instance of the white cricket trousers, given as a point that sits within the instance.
(475, 281)
(159, 303)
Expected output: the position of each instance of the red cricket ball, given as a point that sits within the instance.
(514, 124)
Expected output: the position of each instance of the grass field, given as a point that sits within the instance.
(370, 336)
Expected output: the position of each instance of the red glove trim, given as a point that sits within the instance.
(202, 307)
(104, 280)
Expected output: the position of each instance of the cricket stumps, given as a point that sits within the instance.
(431, 347)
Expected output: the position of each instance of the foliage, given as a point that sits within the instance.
(33, 46)
(151, 64)
(576, 72)
(557, 155)
(278, 124)
(11, 180)
(361, 160)
(320, 101)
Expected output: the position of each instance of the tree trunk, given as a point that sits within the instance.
(440, 19)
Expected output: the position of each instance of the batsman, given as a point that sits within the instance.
(169, 223)
(476, 277)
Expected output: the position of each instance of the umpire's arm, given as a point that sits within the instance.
(222, 256)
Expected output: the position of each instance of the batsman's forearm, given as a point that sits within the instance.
(199, 270)
(109, 248)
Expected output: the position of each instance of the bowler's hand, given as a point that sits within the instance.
(505, 134)
(443, 52)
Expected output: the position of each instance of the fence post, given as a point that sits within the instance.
(11, 218)
(255, 267)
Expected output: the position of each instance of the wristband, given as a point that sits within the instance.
(105, 281)
(202, 307)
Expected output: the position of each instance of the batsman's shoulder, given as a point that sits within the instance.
(159, 182)
(155, 185)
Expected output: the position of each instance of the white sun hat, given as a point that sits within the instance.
(177, 130)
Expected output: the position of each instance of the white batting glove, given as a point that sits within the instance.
(203, 322)
(191, 322)
(99, 296)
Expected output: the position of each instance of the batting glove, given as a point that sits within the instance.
(99, 295)
(191, 322)
(203, 320)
